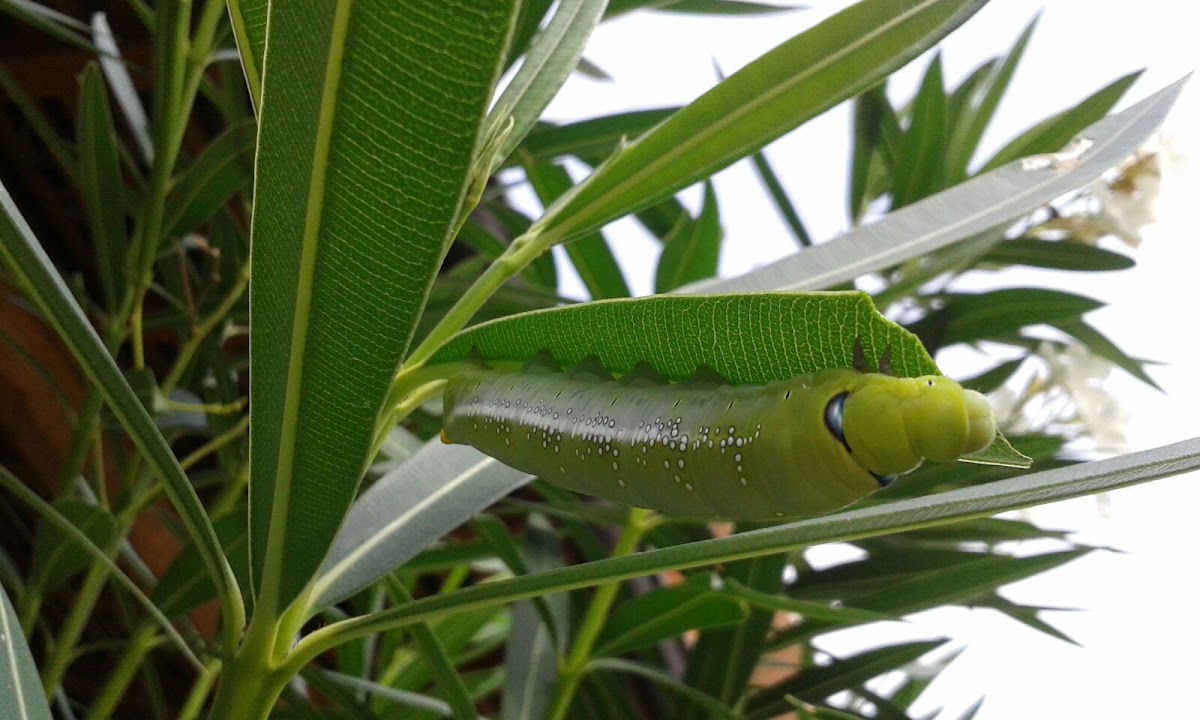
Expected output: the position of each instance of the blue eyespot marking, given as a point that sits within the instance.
(833, 418)
(884, 480)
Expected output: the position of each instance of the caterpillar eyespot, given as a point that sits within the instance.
(790, 448)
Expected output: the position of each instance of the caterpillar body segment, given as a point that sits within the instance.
(790, 448)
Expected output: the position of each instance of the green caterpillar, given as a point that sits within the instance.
(790, 448)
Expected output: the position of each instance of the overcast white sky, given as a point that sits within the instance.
(1140, 627)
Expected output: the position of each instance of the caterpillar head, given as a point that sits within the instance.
(891, 424)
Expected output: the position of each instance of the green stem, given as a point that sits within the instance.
(191, 346)
(572, 671)
(81, 442)
(523, 251)
(232, 493)
(229, 408)
(249, 61)
(216, 443)
(182, 69)
(194, 702)
(411, 397)
(251, 682)
(72, 628)
(440, 663)
(144, 639)
(247, 690)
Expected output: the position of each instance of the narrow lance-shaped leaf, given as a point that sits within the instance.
(965, 136)
(361, 170)
(725, 658)
(668, 612)
(225, 167)
(921, 165)
(100, 181)
(590, 140)
(692, 249)
(552, 56)
(796, 81)
(1054, 132)
(531, 655)
(405, 511)
(592, 257)
(820, 682)
(782, 335)
(941, 509)
(779, 198)
(249, 21)
(966, 210)
(24, 257)
(20, 687)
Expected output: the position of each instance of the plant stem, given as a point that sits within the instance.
(523, 251)
(250, 681)
(247, 690)
(440, 663)
(411, 399)
(200, 690)
(144, 640)
(571, 672)
(180, 70)
(72, 628)
(189, 348)
(239, 428)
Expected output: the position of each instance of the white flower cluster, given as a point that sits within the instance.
(1063, 393)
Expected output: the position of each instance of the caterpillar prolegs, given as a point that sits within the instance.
(785, 449)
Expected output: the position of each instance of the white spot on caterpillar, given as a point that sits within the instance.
(555, 448)
(739, 468)
(778, 514)
(562, 469)
(620, 482)
(689, 486)
(743, 481)
(737, 457)
(680, 462)
(678, 479)
(614, 466)
(666, 464)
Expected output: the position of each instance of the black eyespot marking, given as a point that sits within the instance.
(833, 418)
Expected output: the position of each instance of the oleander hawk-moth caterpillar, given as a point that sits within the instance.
(702, 447)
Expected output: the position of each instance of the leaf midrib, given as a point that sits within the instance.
(301, 318)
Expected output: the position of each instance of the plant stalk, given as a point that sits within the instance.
(572, 671)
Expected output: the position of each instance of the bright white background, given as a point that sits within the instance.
(1139, 629)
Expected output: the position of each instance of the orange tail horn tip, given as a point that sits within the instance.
(445, 439)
